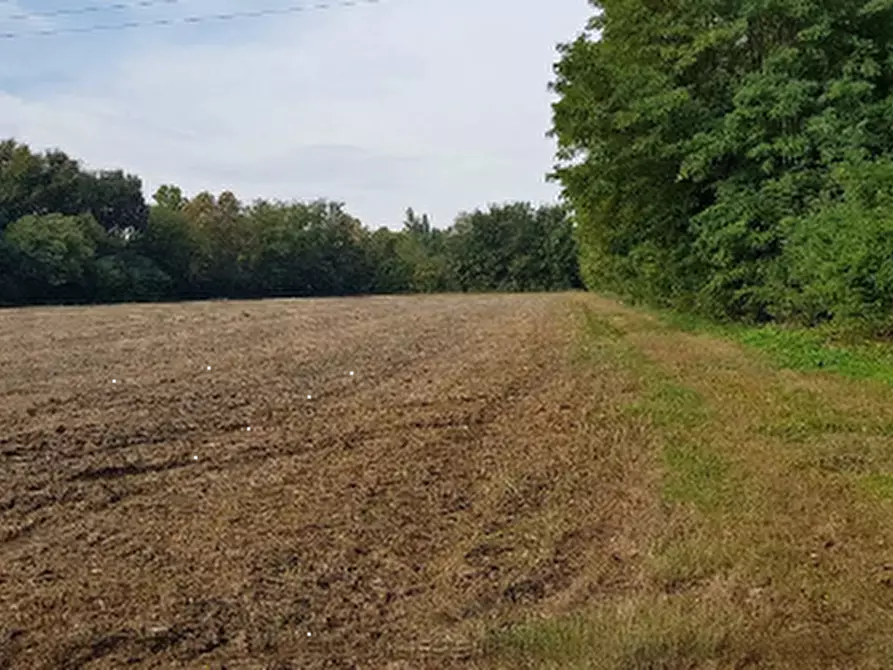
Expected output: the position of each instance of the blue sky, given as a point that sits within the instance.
(441, 105)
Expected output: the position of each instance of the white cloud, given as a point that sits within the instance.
(437, 104)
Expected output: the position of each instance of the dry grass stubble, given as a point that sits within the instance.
(776, 549)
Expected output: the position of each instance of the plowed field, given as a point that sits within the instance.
(359, 483)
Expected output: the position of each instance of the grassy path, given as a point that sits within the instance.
(770, 541)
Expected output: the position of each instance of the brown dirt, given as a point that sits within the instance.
(465, 476)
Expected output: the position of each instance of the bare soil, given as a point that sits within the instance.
(208, 485)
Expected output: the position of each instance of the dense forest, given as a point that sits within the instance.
(68, 235)
(734, 158)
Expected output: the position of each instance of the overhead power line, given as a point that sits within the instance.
(88, 9)
(185, 20)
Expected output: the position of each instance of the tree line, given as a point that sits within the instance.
(68, 235)
(734, 158)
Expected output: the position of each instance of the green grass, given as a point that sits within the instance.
(693, 472)
(599, 328)
(878, 486)
(695, 475)
(668, 404)
(824, 349)
(678, 631)
(690, 557)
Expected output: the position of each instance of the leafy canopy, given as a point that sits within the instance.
(702, 141)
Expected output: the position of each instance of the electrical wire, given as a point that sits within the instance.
(186, 20)
(89, 9)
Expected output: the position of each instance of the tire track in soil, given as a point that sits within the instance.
(454, 481)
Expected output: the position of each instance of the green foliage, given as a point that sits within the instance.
(31, 184)
(130, 277)
(221, 229)
(515, 247)
(170, 197)
(115, 200)
(426, 251)
(840, 257)
(712, 152)
(56, 253)
(53, 183)
(11, 291)
(281, 254)
(308, 249)
(392, 272)
(174, 246)
(70, 235)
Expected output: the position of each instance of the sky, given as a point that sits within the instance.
(439, 105)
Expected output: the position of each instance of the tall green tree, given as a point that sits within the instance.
(222, 232)
(11, 289)
(115, 200)
(393, 273)
(56, 255)
(340, 258)
(514, 247)
(304, 249)
(34, 184)
(174, 245)
(282, 258)
(695, 137)
(54, 183)
(170, 197)
(424, 250)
